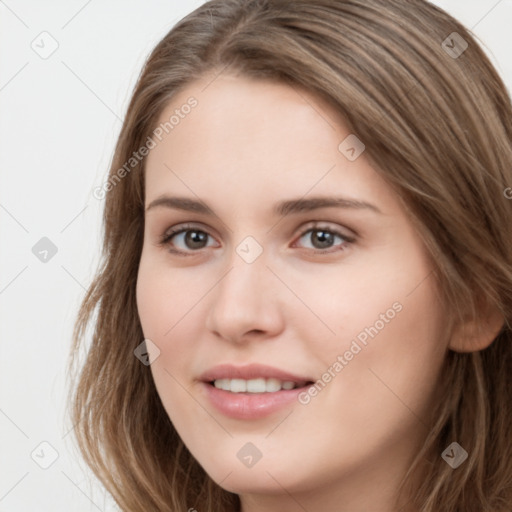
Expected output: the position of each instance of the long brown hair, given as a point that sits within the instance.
(436, 120)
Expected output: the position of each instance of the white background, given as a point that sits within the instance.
(59, 119)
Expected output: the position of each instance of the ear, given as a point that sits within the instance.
(473, 335)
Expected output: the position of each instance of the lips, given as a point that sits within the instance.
(251, 406)
(252, 371)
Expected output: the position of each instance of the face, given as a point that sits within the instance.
(339, 293)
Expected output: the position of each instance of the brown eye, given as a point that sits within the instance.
(322, 238)
(195, 239)
(186, 239)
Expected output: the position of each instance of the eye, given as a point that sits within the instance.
(186, 238)
(322, 238)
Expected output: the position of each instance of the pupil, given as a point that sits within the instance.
(324, 238)
(195, 239)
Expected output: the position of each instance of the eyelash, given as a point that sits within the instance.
(167, 237)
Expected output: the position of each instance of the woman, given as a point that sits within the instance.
(305, 299)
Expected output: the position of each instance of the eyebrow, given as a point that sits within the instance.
(281, 209)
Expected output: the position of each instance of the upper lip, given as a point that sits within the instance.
(251, 371)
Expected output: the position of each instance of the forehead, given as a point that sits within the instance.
(254, 139)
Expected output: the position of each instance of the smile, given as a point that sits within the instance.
(259, 385)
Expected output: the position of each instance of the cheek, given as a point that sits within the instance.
(149, 300)
(391, 359)
(342, 305)
(168, 303)
(163, 296)
(389, 329)
(162, 312)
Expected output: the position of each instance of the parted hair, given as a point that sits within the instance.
(436, 121)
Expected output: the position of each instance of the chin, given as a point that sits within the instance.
(268, 477)
(250, 483)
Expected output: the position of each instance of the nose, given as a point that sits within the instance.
(246, 303)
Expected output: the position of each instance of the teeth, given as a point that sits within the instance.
(253, 385)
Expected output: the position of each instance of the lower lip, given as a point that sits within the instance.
(250, 406)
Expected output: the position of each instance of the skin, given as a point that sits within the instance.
(246, 146)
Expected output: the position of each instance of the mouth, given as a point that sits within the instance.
(253, 391)
(258, 385)
(253, 378)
